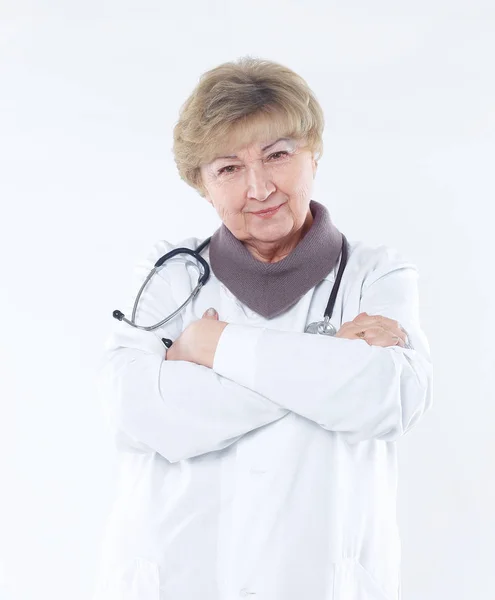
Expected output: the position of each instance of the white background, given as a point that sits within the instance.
(89, 93)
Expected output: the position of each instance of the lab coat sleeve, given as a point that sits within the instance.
(344, 385)
(176, 408)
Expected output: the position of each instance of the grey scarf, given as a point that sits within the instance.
(271, 288)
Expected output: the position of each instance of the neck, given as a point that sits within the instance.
(272, 252)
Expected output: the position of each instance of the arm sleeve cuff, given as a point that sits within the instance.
(235, 356)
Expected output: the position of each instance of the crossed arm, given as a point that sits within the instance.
(181, 409)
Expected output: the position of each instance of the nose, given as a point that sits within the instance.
(259, 183)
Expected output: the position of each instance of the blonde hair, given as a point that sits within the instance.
(236, 104)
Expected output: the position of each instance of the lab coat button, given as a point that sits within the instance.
(244, 592)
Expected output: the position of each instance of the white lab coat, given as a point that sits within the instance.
(273, 475)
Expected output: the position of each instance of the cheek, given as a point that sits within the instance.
(296, 181)
(229, 209)
(299, 188)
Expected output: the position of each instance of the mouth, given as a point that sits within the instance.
(269, 212)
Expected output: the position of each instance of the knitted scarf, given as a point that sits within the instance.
(269, 289)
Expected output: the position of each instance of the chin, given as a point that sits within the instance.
(272, 232)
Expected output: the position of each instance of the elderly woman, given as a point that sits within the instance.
(258, 460)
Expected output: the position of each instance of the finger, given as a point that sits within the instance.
(211, 313)
(379, 336)
(363, 319)
(394, 332)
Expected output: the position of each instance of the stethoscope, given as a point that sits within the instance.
(318, 327)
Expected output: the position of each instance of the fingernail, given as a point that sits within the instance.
(211, 312)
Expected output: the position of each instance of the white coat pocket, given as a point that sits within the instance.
(353, 582)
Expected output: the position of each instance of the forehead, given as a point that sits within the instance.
(254, 132)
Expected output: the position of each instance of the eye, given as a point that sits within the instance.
(224, 170)
(229, 169)
(283, 152)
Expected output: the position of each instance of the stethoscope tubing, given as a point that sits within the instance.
(324, 327)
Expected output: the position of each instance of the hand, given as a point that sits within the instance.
(373, 329)
(198, 342)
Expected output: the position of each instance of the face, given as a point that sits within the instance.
(260, 176)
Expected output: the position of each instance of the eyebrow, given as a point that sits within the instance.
(283, 139)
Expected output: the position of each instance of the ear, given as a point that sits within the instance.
(315, 166)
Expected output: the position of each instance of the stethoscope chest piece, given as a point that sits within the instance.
(325, 327)
(321, 327)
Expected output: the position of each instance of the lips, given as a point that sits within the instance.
(268, 210)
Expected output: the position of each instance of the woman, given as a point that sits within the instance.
(257, 460)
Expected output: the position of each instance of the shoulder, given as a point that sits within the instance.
(374, 261)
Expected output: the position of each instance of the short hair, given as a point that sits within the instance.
(237, 102)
